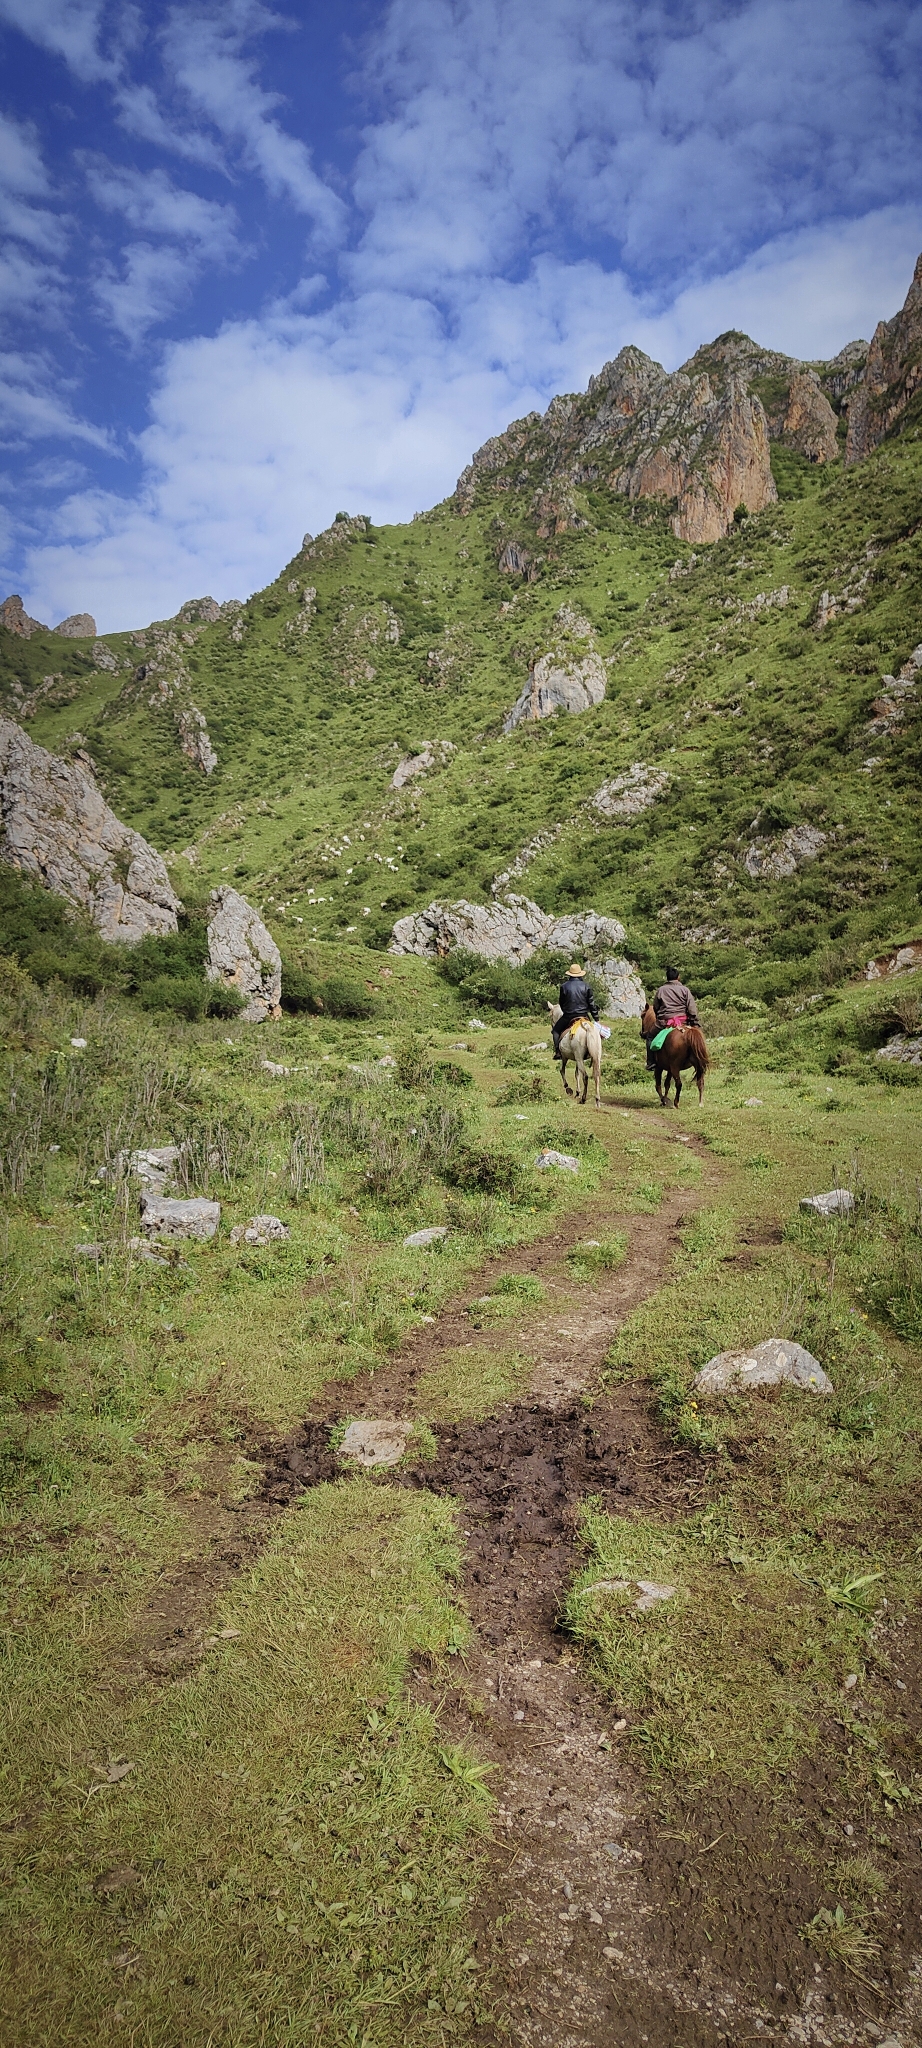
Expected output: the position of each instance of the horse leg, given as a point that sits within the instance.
(678, 1086)
(658, 1073)
(597, 1073)
(582, 1079)
(563, 1073)
(699, 1077)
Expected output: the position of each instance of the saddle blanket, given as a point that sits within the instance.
(660, 1038)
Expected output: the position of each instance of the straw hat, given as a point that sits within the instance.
(574, 967)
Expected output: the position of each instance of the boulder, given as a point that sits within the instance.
(908, 1051)
(902, 961)
(772, 860)
(435, 754)
(153, 1167)
(422, 1238)
(570, 676)
(563, 1160)
(80, 626)
(243, 955)
(58, 830)
(838, 1202)
(777, 1361)
(367, 1442)
(260, 1230)
(162, 1216)
(511, 929)
(15, 618)
(627, 795)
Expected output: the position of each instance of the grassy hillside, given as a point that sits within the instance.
(414, 633)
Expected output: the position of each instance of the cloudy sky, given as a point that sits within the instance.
(262, 266)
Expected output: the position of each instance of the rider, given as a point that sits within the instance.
(576, 1000)
(673, 1005)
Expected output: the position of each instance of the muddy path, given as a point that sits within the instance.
(590, 1919)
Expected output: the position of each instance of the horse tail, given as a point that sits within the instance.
(697, 1047)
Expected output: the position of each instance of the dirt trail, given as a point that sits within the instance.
(583, 1918)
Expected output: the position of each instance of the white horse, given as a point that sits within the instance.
(582, 1043)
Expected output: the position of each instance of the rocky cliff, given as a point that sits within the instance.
(644, 433)
(892, 375)
(56, 828)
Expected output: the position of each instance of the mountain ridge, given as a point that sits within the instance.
(737, 677)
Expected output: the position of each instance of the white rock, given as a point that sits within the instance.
(260, 1230)
(570, 676)
(908, 1050)
(564, 1160)
(774, 859)
(838, 1202)
(58, 830)
(650, 1593)
(424, 1237)
(774, 1362)
(146, 1253)
(625, 796)
(375, 1443)
(754, 1102)
(511, 929)
(243, 955)
(153, 1167)
(162, 1216)
(79, 1044)
(272, 1067)
(435, 754)
(80, 626)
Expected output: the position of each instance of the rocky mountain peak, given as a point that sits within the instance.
(892, 375)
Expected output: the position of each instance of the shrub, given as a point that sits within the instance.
(344, 997)
(488, 1170)
(223, 1000)
(414, 1062)
(185, 998)
(300, 991)
(451, 1075)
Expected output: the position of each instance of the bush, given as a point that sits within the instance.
(486, 1170)
(223, 1000)
(300, 991)
(343, 997)
(451, 1075)
(183, 998)
(414, 1062)
(494, 985)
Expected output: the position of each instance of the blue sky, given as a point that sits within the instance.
(259, 266)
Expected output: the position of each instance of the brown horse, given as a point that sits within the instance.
(685, 1047)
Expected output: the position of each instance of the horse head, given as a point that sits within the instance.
(648, 1021)
(555, 1011)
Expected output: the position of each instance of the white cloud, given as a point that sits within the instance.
(151, 203)
(69, 28)
(138, 112)
(152, 285)
(33, 405)
(205, 53)
(155, 281)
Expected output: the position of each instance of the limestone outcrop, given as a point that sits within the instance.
(80, 626)
(569, 676)
(773, 860)
(15, 618)
(806, 421)
(243, 955)
(627, 795)
(513, 929)
(892, 374)
(56, 827)
(435, 754)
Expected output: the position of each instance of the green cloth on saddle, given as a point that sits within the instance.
(660, 1038)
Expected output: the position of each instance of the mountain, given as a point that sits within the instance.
(656, 657)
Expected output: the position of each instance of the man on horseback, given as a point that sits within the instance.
(576, 1000)
(673, 1006)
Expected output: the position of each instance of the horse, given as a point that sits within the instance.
(581, 1042)
(685, 1047)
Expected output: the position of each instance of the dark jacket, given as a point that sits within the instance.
(576, 999)
(673, 999)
